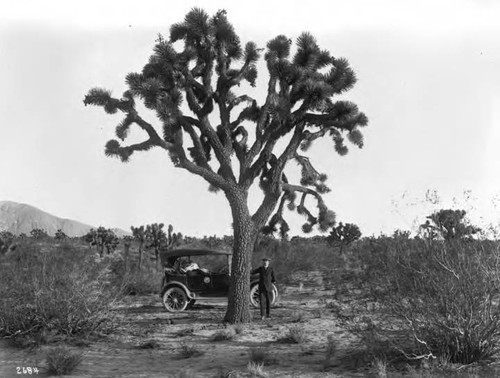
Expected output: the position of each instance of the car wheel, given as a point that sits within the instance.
(255, 296)
(175, 299)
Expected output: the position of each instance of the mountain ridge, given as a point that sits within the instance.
(20, 218)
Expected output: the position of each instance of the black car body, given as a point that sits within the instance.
(184, 281)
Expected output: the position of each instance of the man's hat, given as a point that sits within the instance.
(266, 259)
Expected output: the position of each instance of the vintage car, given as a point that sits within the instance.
(192, 274)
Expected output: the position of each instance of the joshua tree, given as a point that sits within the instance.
(6, 241)
(127, 242)
(448, 224)
(249, 141)
(174, 239)
(156, 238)
(38, 233)
(139, 234)
(102, 238)
(343, 235)
(60, 235)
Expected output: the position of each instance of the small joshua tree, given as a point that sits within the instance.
(102, 238)
(156, 238)
(60, 235)
(249, 142)
(343, 235)
(139, 234)
(449, 225)
(39, 233)
(6, 241)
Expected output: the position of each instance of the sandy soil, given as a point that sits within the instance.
(148, 341)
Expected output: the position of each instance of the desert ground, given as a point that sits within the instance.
(150, 342)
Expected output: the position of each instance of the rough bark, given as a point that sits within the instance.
(245, 233)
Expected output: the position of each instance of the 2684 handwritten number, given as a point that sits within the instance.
(26, 370)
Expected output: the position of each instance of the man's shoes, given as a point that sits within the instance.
(263, 318)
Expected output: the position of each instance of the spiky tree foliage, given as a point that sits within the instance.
(448, 224)
(102, 238)
(187, 89)
(156, 238)
(39, 233)
(6, 241)
(60, 235)
(343, 235)
(139, 234)
(173, 239)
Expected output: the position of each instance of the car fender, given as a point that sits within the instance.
(178, 284)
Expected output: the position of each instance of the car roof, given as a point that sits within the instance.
(191, 252)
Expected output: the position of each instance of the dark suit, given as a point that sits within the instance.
(266, 280)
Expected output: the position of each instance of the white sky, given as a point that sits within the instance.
(429, 81)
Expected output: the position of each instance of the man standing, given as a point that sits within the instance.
(266, 280)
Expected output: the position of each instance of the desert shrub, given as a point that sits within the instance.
(189, 350)
(331, 351)
(261, 356)
(444, 296)
(225, 373)
(144, 281)
(149, 344)
(223, 335)
(48, 291)
(296, 335)
(239, 329)
(61, 361)
(184, 332)
(257, 370)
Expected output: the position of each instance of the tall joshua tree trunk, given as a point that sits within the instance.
(245, 234)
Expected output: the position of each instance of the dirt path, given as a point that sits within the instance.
(148, 342)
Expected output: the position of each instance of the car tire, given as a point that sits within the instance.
(175, 299)
(255, 295)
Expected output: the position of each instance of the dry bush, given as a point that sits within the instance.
(60, 361)
(239, 329)
(443, 296)
(296, 335)
(261, 356)
(149, 344)
(48, 292)
(330, 352)
(225, 373)
(223, 335)
(257, 370)
(189, 350)
(184, 332)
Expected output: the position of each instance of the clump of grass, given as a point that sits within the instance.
(330, 352)
(239, 329)
(186, 374)
(150, 344)
(317, 313)
(224, 373)
(257, 370)
(298, 317)
(60, 361)
(296, 335)
(184, 332)
(261, 356)
(223, 335)
(189, 350)
(380, 366)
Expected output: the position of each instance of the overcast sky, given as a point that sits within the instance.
(428, 79)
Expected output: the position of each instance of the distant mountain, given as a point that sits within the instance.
(20, 218)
